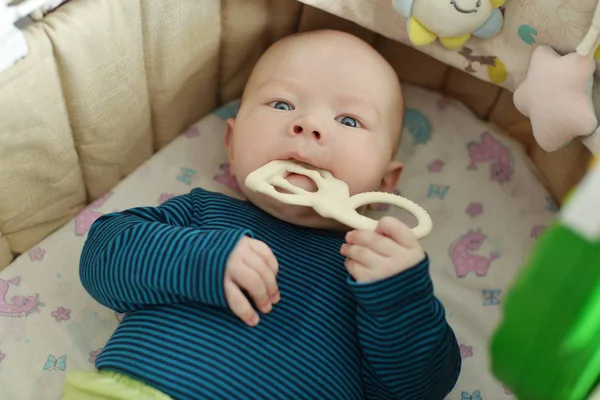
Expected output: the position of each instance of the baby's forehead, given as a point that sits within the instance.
(347, 67)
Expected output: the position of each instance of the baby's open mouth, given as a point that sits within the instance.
(300, 180)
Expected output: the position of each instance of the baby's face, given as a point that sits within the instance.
(324, 99)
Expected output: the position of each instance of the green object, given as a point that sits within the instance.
(548, 344)
(108, 385)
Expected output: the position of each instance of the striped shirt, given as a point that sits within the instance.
(328, 337)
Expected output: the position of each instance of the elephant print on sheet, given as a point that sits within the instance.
(17, 306)
(461, 253)
(226, 178)
(490, 149)
(417, 125)
(85, 219)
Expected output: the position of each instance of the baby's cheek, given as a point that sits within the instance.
(362, 179)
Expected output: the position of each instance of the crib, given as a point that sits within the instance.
(117, 104)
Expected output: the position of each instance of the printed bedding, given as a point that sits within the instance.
(486, 203)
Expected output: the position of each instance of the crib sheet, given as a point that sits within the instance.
(486, 204)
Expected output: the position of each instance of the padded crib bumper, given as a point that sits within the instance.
(106, 83)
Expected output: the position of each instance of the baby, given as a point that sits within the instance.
(255, 299)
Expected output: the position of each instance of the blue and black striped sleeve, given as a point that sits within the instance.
(152, 255)
(409, 350)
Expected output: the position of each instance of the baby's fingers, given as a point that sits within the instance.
(378, 243)
(239, 304)
(362, 255)
(266, 254)
(270, 281)
(248, 279)
(398, 231)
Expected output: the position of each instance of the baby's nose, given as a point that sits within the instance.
(298, 129)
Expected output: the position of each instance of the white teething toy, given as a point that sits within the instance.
(332, 198)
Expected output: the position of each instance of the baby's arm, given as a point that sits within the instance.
(151, 255)
(409, 351)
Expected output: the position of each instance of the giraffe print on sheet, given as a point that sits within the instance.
(490, 149)
(17, 305)
(461, 254)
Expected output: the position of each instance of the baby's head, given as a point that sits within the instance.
(327, 99)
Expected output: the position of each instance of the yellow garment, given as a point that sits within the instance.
(108, 385)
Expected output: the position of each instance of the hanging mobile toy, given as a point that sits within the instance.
(453, 22)
(565, 84)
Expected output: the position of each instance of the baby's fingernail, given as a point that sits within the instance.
(344, 246)
(267, 308)
(254, 320)
(275, 298)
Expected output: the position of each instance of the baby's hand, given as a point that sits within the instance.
(252, 268)
(390, 249)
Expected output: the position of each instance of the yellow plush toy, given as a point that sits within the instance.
(452, 21)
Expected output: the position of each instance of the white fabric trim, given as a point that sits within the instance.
(581, 213)
(13, 45)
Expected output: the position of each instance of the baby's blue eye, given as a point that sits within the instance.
(349, 121)
(281, 105)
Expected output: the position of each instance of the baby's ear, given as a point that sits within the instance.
(391, 177)
(229, 138)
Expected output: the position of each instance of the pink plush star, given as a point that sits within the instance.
(555, 95)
